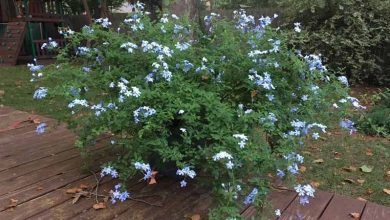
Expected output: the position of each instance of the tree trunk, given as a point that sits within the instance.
(87, 11)
(103, 9)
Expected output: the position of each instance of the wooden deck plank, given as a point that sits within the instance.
(44, 202)
(375, 212)
(26, 130)
(310, 211)
(171, 199)
(276, 200)
(44, 162)
(5, 110)
(113, 211)
(340, 207)
(16, 183)
(30, 155)
(67, 210)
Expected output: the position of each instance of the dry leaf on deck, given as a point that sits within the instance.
(153, 178)
(387, 191)
(99, 205)
(73, 190)
(40, 188)
(355, 215)
(83, 186)
(14, 203)
(195, 217)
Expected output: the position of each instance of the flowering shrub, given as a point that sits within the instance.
(226, 104)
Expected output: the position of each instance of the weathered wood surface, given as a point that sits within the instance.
(36, 170)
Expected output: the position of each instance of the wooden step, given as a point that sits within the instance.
(11, 42)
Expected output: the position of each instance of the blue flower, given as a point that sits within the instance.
(144, 112)
(109, 170)
(280, 173)
(41, 128)
(249, 199)
(40, 93)
(183, 183)
(348, 124)
(293, 169)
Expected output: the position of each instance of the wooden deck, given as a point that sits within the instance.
(37, 170)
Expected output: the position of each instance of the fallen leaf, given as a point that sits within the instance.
(355, 215)
(337, 155)
(370, 191)
(253, 93)
(349, 180)
(318, 161)
(83, 186)
(14, 203)
(361, 199)
(40, 188)
(73, 190)
(349, 169)
(360, 181)
(387, 191)
(153, 178)
(315, 184)
(2, 92)
(195, 217)
(302, 169)
(366, 168)
(388, 173)
(369, 153)
(99, 205)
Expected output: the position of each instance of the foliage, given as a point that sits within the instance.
(377, 120)
(348, 33)
(228, 101)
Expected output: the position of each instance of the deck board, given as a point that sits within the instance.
(375, 212)
(340, 208)
(36, 170)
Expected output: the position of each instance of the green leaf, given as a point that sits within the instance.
(366, 168)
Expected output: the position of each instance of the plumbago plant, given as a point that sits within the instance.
(227, 104)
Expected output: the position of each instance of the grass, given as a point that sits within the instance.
(339, 172)
(18, 93)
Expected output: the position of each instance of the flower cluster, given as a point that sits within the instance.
(104, 22)
(119, 195)
(144, 112)
(223, 155)
(50, 45)
(109, 170)
(41, 128)
(40, 93)
(304, 193)
(242, 139)
(185, 172)
(145, 168)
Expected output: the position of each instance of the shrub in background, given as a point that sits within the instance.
(348, 33)
(229, 102)
(377, 120)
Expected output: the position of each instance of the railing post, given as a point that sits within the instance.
(29, 29)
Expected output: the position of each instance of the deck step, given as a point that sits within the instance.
(11, 43)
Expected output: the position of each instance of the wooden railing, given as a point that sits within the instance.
(43, 8)
(45, 53)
